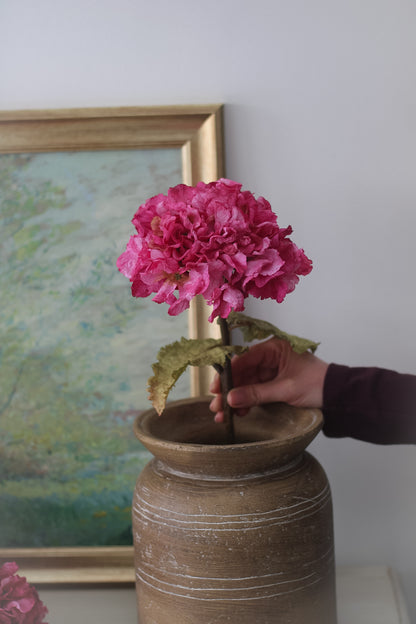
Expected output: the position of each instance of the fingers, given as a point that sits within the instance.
(219, 417)
(217, 407)
(216, 403)
(257, 394)
(215, 386)
(260, 363)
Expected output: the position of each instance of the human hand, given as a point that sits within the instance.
(271, 371)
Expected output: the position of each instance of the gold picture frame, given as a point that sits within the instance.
(197, 130)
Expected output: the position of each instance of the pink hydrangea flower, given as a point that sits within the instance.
(19, 601)
(213, 240)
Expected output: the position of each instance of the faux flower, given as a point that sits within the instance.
(213, 240)
(218, 241)
(19, 601)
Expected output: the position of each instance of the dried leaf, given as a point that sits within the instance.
(173, 360)
(255, 329)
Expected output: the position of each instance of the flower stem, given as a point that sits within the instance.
(226, 384)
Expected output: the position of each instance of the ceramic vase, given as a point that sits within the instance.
(239, 533)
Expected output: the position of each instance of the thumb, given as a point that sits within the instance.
(257, 394)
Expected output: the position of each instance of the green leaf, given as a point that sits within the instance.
(255, 329)
(173, 360)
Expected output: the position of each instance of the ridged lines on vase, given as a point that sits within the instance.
(235, 588)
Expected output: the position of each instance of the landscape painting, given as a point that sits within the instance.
(75, 347)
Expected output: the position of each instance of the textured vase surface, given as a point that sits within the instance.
(239, 533)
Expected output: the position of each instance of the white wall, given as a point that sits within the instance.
(320, 118)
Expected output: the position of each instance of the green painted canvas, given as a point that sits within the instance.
(75, 347)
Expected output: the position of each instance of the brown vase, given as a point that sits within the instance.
(236, 533)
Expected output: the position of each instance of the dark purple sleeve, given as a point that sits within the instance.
(371, 404)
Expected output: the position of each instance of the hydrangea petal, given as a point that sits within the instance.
(211, 239)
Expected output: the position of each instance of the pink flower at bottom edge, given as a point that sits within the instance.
(19, 601)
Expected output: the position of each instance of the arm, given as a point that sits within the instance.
(371, 404)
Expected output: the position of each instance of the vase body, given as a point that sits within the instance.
(236, 533)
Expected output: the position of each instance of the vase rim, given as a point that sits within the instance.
(279, 443)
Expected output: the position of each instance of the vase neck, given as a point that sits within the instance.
(218, 472)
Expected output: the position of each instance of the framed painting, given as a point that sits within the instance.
(76, 348)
